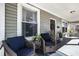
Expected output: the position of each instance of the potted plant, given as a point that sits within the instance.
(37, 39)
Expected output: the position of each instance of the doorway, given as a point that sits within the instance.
(52, 29)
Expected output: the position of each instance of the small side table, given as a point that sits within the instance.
(38, 49)
(37, 44)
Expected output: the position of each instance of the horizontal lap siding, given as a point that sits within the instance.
(11, 19)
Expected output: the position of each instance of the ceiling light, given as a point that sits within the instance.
(72, 11)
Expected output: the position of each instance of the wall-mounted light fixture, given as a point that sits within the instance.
(72, 11)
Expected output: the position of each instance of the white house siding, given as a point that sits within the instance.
(10, 20)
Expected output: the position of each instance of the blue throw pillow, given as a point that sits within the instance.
(16, 43)
(46, 37)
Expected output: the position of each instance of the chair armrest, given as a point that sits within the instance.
(1, 45)
(8, 50)
(31, 44)
(44, 48)
(33, 48)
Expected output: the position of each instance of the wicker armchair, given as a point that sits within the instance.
(18, 46)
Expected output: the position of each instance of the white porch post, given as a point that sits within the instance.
(2, 26)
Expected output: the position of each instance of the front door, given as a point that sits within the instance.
(52, 29)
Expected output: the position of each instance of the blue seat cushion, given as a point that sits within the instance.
(16, 43)
(48, 43)
(25, 51)
(46, 37)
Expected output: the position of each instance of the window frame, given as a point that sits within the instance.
(19, 17)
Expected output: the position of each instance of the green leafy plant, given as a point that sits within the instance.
(37, 38)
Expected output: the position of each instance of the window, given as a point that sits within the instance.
(29, 22)
(64, 28)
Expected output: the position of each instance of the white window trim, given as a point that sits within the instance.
(2, 21)
(19, 17)
(2, 26)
